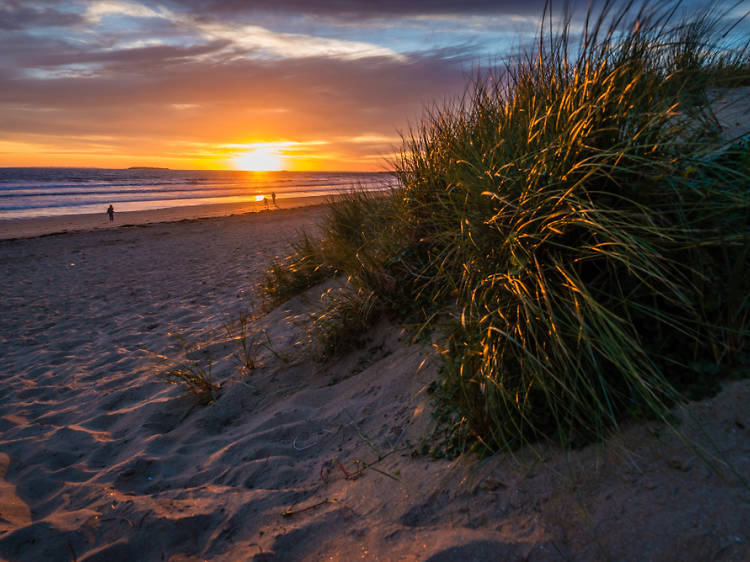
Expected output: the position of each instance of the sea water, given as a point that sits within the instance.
(39, 192)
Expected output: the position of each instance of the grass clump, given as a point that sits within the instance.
(193, 373)
(250, 341)
(581, 224)
(196, 382)
(361, 243)
(365, 238)
(247, 340)
(595, 229)
(303, 269)
(342, 322)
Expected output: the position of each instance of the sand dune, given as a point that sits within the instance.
(296, 460)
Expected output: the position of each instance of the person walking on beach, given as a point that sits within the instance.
(273, 198)
(111, 213)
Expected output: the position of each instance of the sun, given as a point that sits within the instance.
(262, 159)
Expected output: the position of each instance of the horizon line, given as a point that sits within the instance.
(161, 168)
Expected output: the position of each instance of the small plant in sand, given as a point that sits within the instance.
(250, 342)
(193, 375)
(298, 272)
(344, 319)
(334, 464)
(195, 381)
(240, 331)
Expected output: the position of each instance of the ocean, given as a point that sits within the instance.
(40, 192)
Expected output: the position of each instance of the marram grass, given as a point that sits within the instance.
(578, 224)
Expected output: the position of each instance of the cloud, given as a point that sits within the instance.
(137, 60)
(98, 10)
(16, 15)
(373, 139)
(154, 80)
(290, 45)
(287, 145)
(234, 102)
(361, 9)
(154, 77)
(252, 40)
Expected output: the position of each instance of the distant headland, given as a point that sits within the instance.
(146, 168)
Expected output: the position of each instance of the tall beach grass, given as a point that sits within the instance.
(575, 224)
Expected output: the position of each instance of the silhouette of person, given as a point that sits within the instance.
(273, 197)
(111, 213)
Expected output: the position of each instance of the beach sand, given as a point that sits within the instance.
(295, 460)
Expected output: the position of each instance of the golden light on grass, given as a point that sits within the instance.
(261, 159)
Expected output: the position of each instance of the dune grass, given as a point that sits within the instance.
(342, 322)
(302, 269)
(192, 372)
(194, 381)
(577, 225)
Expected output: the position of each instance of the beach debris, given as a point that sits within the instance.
(303, 447)
(290, 512)
(330, 464)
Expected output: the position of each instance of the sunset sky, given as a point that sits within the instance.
(294, 84)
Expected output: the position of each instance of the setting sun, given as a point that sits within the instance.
(262, 159)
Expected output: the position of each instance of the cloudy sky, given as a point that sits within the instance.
(199, 83)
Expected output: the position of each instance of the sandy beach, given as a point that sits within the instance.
(295, 460)
(39, 226)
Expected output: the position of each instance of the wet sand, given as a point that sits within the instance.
(25, 228)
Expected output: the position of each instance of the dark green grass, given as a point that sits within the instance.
(577, 225)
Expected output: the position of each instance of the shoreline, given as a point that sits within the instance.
(14, 229)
